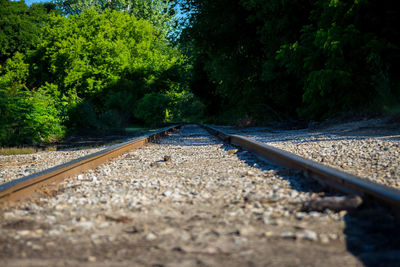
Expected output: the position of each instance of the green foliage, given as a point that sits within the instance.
(152, 108)
(233, 43)
(94, 118)
(185, 106)
(278, 59)
(25, 116)
(15, 72)
(43, 123)
(20, 26)
(85, 70)
(103, 63)
(85, 53)
(160, 13)
(343, 58)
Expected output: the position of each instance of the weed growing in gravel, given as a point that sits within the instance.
(7, 151)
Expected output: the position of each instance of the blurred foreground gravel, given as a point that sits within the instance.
(191, 201)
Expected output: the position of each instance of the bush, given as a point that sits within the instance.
(188, 108)
(152, 109)
(25, 116)
(28, 117)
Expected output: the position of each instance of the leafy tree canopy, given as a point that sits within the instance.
(271, 59)
(20, 26)
(109, 59)
(160, 13)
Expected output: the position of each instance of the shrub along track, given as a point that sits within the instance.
(191, 200)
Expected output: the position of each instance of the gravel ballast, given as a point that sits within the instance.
(16, 166)
(369, 149)
(189, 200)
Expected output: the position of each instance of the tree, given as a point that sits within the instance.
(271, 59)
(233, 44)
(346, 58)
(103, 63)
(160, 13)
(20, 26)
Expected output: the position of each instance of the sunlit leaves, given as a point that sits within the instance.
(160, 13)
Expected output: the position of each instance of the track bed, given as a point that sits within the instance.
(191, 200)
(369, 149)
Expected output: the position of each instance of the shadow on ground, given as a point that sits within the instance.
(372, 231)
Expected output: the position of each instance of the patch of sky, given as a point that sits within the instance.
(30, 2)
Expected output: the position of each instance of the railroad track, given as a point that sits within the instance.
(334, 178)
(328, 176)
(20, 189)
(189, 199)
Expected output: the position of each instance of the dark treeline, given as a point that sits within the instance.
(274, 60)
(80, 64)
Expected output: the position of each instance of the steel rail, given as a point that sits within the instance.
(24, 187)
(339, 180)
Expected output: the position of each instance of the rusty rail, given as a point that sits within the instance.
(24, 187)
(339, 180)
